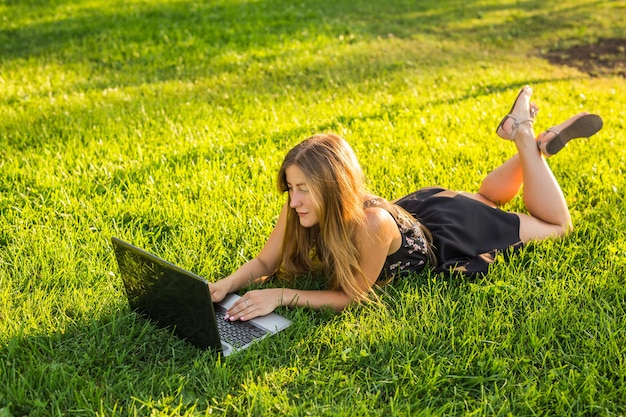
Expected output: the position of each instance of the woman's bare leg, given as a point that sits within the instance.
(544, 200)
(503, 183)
(543, 197)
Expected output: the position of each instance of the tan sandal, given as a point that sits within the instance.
(508, 135)
(516, 124)
(583, 127)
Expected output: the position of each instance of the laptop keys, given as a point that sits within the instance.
(237, 333)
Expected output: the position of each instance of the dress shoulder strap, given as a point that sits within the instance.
(373, 202)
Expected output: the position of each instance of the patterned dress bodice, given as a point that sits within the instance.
(411, 257)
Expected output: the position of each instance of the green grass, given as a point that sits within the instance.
(164, 122)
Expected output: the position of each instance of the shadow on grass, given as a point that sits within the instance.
(94, 360)
(238, 47)
(123, 362)
(163, 41)
(242, 25)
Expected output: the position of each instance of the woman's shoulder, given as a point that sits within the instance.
(378, 219)
(380, 230)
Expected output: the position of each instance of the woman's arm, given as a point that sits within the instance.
(257, 303)
(256, 269)
(379, 237)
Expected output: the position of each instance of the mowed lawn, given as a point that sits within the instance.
(164, 123)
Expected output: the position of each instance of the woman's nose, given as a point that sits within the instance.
(295, 201)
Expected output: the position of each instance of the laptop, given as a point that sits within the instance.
(177, 299)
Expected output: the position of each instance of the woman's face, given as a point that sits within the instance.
(300, 197)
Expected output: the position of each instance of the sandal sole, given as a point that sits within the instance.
(583, 127)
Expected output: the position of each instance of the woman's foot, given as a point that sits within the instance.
(582, 125)
(511, 121)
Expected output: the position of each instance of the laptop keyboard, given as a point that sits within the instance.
(237, 333)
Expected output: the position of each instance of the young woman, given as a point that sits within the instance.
(331, 225)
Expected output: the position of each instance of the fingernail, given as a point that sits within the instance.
(226, 317)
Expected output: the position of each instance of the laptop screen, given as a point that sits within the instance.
(168, 295)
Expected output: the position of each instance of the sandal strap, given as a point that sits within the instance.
(516, 125)
(517, 122)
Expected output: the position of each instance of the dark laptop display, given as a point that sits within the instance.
(175, 298)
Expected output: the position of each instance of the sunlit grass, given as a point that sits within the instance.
(164, 122)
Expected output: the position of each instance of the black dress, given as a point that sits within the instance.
(466, 233)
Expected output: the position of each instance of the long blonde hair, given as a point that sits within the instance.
(336, 183)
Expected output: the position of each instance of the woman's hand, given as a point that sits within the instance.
(218, 290)
(255, 303)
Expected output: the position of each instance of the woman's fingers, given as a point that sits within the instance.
(252, 304)
(243, 309)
